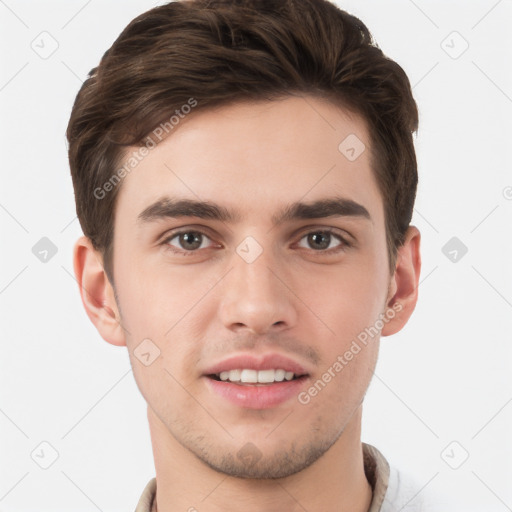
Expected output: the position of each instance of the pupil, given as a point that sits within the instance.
(193, 238)
(314, 237)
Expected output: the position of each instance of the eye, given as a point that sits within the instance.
(189, 242)
(321, 239)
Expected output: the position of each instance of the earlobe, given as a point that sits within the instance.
(404, 283)
(97, 292)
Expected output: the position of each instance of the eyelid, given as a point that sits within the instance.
(327, 229)
(171, 233)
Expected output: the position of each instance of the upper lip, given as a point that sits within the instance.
(253, 362)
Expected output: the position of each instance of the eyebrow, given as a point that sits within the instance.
(168, 207)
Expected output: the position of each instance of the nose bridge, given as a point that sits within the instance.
(253, 261)
(254, 294)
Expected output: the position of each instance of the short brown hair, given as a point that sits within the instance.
(221, 51)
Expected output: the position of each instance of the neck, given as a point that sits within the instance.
(335, 481)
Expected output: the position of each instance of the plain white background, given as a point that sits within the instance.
(442, 389)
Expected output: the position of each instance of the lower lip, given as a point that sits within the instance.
(255, 396)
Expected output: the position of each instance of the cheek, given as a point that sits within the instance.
(336, 393)
(156, 296)
(348, 299)
(161, 304)
(349, 303)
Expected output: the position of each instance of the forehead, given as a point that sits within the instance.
(258, 154)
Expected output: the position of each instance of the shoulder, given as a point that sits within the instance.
(395, 489)
(405, 493)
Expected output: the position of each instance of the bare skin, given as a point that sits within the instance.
(298, 298)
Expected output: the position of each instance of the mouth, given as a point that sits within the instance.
(256, 381)
(246, 392)
(250, 377)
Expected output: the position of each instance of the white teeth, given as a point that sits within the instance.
(265, 376)
(235, 375)
(279, 375)
(250, 376)
(254, 376)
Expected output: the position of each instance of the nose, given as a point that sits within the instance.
(256, 296)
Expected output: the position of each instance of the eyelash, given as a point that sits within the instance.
(343, 246)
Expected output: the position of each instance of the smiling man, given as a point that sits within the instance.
(245, 176)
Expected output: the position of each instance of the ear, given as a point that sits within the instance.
(97, 293)
(403, 288)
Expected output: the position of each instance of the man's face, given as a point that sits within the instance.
(246, 286)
